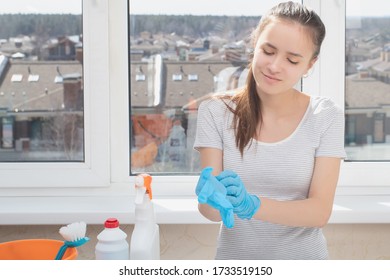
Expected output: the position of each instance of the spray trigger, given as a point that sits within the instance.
(143, 186)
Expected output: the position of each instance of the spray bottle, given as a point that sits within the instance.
(145, 239)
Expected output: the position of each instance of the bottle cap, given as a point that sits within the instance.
(111, 223)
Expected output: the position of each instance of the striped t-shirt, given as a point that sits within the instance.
(280, 170)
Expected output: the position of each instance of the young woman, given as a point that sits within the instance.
(275, 151)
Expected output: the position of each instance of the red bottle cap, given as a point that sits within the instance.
(111, 223)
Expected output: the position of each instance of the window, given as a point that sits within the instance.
(53, 133)
(189, 51)
(193, 77)
(367, 81)
(48, 117)
(363, 173)
(31, 78)
(118, 72)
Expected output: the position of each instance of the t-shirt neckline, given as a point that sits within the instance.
(293, 133)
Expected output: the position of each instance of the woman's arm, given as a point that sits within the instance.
(210, 157)
(313, 211)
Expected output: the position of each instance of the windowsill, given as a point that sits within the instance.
(95, 210)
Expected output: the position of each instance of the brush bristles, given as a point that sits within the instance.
(74, 231)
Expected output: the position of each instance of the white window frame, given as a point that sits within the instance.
(101, 187)
(18, 177)
(59, 193)
(356, 178)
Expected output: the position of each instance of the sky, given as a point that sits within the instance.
(194, 7)
(41, 6)
(202, 7)
(243, 7)
(368, 7)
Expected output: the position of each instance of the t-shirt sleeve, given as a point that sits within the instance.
(332, 136)
(209, 125)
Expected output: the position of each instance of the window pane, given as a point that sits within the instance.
(181, 53)
(367, 82)
(41, 81)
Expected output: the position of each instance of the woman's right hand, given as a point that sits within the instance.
(210, 191)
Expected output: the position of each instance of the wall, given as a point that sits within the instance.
(345, 241)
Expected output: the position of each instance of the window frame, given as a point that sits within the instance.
(94, 171)
(102, 186)
(121, 181)
(328, 79)
(106, 117)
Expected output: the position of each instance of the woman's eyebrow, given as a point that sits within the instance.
(290, 53)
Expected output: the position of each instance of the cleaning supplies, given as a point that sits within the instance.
(145, 240)
(112, 243)
(74, 235)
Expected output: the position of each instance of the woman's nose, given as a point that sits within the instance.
(275, 64)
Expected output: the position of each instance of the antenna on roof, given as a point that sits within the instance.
(182, 71)
(211, 71)
(58, 78)
(58, 71)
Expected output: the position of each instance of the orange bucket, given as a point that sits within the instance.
(34, 249)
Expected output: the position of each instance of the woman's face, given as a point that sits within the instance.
(282, 55)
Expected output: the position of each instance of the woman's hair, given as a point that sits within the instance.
(247, 113)
(298, 13)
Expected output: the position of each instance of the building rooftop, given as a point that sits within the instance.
(366, 92)
(36, 85)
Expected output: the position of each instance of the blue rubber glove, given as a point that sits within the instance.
(245, 205)
(209, 190)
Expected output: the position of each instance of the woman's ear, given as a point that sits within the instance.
(312, 62)
(310, 66)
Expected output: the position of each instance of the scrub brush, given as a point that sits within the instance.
(74, 235)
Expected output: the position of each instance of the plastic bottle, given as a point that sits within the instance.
(145, 239)
(112, 243)
(177, 144)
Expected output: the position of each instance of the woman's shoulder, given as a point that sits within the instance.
(324, 106)
(324, 112)
(217, 103)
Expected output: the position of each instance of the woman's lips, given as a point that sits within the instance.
(271, 77)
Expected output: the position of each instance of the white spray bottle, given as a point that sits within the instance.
(145, 239)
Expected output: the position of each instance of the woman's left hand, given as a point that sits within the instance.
(245, 205)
